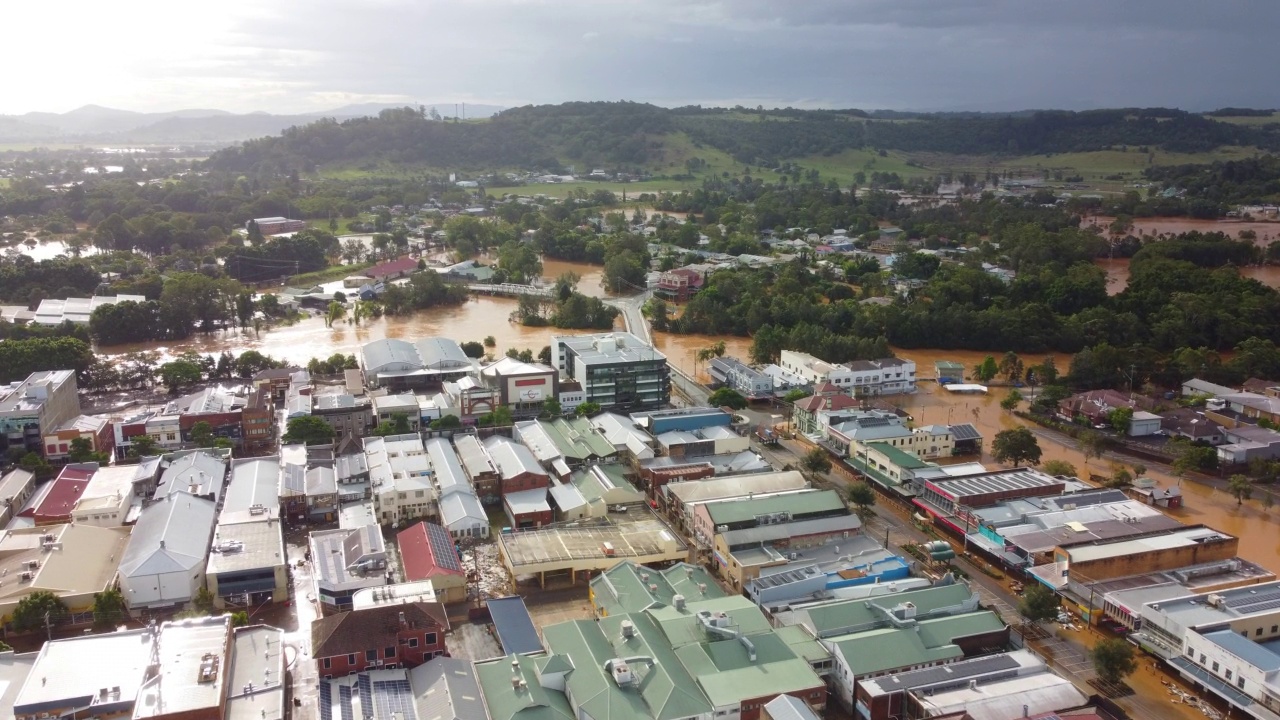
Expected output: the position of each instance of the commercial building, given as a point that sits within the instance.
(34, 407)
(523, 387)
(53, 312)
(255, 676)
(275, 225)
(402, 365)
(1161, 550)
(942, 498)
(71, 561)
(736, 375)
(58, 503)
(348, 415)
(199, 473)
(629, 588)
(248, 566)
(16, 488)
(404, 635)
(97, 430)
(560, 445)
(994, 687)
(1225, 642)
(387, 407)
(593, 491)
(861, 377)
(428, 552)
(812, 415)
(567, 551)
(517, 468)
(347, 560)
(513, 625)
(188, 678)
(715, 440)
(679, 499)
(656, 422)
(695, 659)
(712, 519)
(108, 499)
(616, 370)
(87, 675)
(164, 564)
(253, 493)
(460, 510)
(480, 468)
(630, 442)
(399, 477)
(789, 573)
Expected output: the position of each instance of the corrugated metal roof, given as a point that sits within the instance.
(514, 626)
(172, 535)
(446, 688)
(512, 458)
(448, 471)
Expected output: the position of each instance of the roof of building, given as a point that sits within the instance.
(349, 558)
(246, 546)
(848, 616)
(65, 490)
(1259, 655)
(511, 458)
(15, 668)
(196, 473)
(629, 588)
(814, 403)
(255, 483)
(462, 510)
(53, 311)
(718, 488)
(475, 458)
(770, 532)
(189, 679)
(527, 700)
(321, 480)
(999, 481)
(509, 366)
(446, 688)
(815, 501)
(594, 482)
(1206, 387)
(355, 631)
(525, 502)
(31, 394)
(427, 551)
(14, 482)
(965, 431)
(1176, 538)
(1014, 697)
(897, 456)
(608, 348)
(787, 707)
(85, 563)
(449, 477)
(172, 535)
(732, 364)
(256, 673)
(72, 671)
(513, 625)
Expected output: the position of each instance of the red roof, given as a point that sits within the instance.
(63, 494)
(814, 403)
(393, 267)
(428, 551)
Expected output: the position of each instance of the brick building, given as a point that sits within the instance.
(404, 635)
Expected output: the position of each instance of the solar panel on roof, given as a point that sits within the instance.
(393, 698)
(344, 702)
(366, 693)
(1252, 599)
(443, 549)
(965, 432)
(326, 702)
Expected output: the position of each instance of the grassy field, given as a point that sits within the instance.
(560, 190)
(344, 224)
(335, 272)
(842, 166)
(1260, 120)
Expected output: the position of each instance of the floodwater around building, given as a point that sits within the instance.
(1117, 270)
(1265, 232)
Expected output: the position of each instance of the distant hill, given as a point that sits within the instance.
(97, 124)
(447, 110)
(626, 134)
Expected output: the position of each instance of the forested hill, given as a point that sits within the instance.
(632, 134)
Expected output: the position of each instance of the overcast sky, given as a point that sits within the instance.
(289, 56)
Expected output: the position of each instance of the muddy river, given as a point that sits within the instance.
(1117, 270)
(1265, 232)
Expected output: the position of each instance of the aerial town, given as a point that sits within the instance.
(674, 409)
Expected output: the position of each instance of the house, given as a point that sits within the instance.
(616, 370)
(1193, 425)
(163, 566)
(732, 373)
(34, 407)
(1248, 442)
(1196, 386)
(405, 635)
(428, 552)
(392, 269)
(1096, 406)
(680, 284)
(1148, 491)
(826, 397)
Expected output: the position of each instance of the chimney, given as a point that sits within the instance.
(403, 622)
(678, 601)
(628, 629)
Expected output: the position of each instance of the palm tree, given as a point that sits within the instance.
(336, 312)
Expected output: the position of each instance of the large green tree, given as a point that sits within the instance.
(38, 609)
(1016, 447)
(1038, 603)
(1113, 659)
(309, 430)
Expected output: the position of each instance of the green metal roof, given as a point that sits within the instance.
(555, 664)
(942, 631)
(724, 513)
(802, 644)
(577, 439)
(855, 615)
(730, 687)
(889, 648)
(948, 365)
(531, 702)
(590, 487)
(899, 457)
(681, 627)
(620, 589)
(879, 477)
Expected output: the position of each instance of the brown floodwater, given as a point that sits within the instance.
(1117, 270)
(1266, 232)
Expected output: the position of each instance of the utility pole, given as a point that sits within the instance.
(48, 629)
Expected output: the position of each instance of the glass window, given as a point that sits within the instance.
(430, 638)
(413, 642)
(389, 651)
(370, 655)
(1215, 666)
(351, 659)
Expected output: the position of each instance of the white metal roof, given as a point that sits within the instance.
(172, 535)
